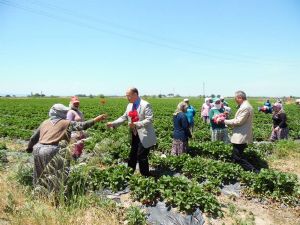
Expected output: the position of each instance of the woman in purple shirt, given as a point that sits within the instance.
(77, 137)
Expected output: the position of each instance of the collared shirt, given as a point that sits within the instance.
(136, 104)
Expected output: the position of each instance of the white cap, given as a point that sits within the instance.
(186, 100)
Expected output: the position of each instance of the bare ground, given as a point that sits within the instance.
(252, 212)
(289, 165)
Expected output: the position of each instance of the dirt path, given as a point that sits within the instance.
(14, 144)
(287, 165)
(250, 212)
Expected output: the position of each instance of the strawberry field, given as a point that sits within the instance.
(185, 182)
(19, 117)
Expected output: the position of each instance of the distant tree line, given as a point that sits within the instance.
(170, 95)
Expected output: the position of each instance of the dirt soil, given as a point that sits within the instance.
(261, 213)
(14, 145)
(290, 165)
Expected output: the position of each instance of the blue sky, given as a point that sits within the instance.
(63, 47)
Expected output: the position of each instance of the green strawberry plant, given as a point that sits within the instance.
(144, 189)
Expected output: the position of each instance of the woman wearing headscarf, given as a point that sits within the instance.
(280, 129)
(74, 114)
(205, 110)
(51, 161)
(181, 133)
(217, 116)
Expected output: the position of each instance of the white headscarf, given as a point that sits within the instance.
(58, 112)
(217, 106)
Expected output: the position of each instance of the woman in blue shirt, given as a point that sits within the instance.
(190, 113)
(181, 133)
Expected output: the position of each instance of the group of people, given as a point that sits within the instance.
(66, 124)
(50, 142)
(209, 103)
(266, 108)
(214, 112)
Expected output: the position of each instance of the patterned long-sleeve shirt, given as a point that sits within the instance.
(73, 126)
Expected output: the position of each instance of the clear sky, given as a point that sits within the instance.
(64, 47)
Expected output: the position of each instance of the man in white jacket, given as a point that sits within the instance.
(242, 130)
(140, 117)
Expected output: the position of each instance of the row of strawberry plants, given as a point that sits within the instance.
(170, 162)
(212, 174)
(109, 149)
(277, 185)
(223, 152)
(207, 169)
(83, 178)
(213, 150)
(178, 192)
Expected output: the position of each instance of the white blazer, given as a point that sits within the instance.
(144, 126)
(242, 124)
